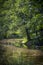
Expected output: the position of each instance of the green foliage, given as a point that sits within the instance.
(16, 16)
(14, 13)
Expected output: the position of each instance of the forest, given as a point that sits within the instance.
(21, 32)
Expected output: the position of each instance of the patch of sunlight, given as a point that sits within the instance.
(18, 31)
(24, 40)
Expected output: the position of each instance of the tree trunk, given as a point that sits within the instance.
(28, 34)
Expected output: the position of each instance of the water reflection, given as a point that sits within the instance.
(20, 56)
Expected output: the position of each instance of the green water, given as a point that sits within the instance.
(14, 56)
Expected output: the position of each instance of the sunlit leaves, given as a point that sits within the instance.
(14, 13)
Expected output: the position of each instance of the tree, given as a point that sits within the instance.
(23, 15)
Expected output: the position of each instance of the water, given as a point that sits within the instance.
(11, 55)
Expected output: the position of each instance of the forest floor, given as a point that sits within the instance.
(10, 40)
